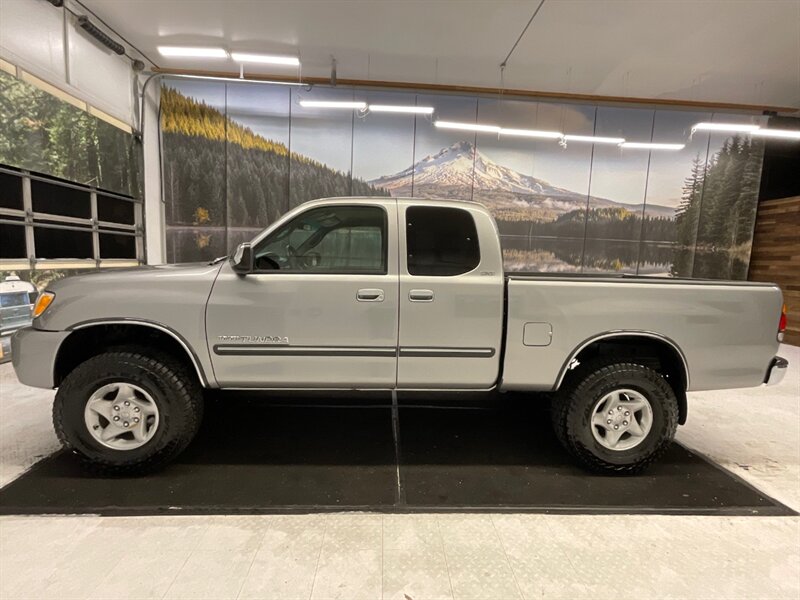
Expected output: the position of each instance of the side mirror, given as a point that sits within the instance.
(242, 260)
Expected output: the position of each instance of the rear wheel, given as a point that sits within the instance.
(615, 418)
(127, 412)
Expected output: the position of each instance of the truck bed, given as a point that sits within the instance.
(724, 331)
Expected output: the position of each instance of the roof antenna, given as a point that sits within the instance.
(333, 70)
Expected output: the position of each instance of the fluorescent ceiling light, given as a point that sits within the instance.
(535, 133)
(733, 127)
(332, 104)
(418, 110)
(269, 59)
(593, 139)
(192, 52)
(789, 134)
(467, 126)
(653, 146)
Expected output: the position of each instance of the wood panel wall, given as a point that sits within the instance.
(776, 255)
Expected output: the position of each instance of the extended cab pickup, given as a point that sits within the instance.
(389, 294)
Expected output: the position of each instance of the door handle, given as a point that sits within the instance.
(369, 295)
(420, 295)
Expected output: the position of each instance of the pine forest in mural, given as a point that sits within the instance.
(235, 158)
(45, 134)
(252, 191)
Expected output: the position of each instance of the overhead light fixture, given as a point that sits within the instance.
(192, 52)
(653, 146)
(467, 126)
(593, 139)
(416, 110)
(535, 133)
(333, 104)
(267, 59)
(731, 127)
(98, 34)
(788, 134)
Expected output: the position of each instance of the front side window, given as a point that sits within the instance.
(329, 239)
(441, 241)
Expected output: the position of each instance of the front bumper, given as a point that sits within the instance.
(33, 354)
(776, 371)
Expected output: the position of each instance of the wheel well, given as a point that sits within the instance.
(83, 344)
(654, 353)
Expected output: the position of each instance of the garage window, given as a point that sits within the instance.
(43, 217)
(12, 241)
(53, 242)
(11, 191)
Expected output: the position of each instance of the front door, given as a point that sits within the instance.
(451, 298)
(321, 308)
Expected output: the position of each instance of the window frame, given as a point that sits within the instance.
(384, 244)
(454, 208)
(35, 222)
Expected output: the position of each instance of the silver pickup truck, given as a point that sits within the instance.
(389, 294)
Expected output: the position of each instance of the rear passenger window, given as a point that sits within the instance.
(441, 241)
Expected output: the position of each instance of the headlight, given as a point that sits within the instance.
(44, 300)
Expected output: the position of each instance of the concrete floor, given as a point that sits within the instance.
(754, 433)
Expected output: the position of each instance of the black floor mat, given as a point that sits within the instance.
(511, 458)
(254, 458)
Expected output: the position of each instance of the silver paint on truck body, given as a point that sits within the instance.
(336, 341)
(171, 298)
(452, 341)
(296, 330)
(725, 330)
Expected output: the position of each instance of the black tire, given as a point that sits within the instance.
(572, 407)
(175, 391)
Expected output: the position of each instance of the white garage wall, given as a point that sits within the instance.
(47, 42)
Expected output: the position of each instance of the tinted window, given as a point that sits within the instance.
(441, 241)
(117, 245)
(10, 191)
(62, 243)
(338, 239)
(55, 199)
(12, 241)
(14, 299)
(115, 210)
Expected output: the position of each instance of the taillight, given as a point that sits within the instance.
(782, 322)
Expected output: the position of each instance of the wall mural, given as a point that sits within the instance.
(45, 134)
(236, 156)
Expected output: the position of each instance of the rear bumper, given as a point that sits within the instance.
(33, 354)
(776, 371)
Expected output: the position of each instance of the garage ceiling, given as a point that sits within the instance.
(717, 51)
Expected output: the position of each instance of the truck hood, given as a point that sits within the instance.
(150, 293)
(161, 272)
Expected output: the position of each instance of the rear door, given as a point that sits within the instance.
(451, 297)
(319, 311)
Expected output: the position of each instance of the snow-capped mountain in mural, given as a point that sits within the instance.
(456, 170)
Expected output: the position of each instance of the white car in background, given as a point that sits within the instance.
(16, 310)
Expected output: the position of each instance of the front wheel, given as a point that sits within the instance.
(127, 412)
(615, 418)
